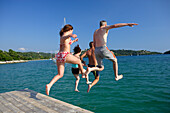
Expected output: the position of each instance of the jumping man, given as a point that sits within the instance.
(101, 50)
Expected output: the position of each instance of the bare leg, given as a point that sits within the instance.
(94, 82)
(74, 60)
(60, 67)
(84, 71)
(89, 69)
(115, 68)
(93, 69)
(77, 82)
(87, 76)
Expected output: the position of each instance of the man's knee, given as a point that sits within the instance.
(115, 60)
(97, 77)
(101, 68)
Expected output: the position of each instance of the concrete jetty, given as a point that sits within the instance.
(28, 101)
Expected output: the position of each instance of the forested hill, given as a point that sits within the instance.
(167, 52)
(131, 52)
(13, 55)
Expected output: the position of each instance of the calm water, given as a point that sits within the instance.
(144, 88)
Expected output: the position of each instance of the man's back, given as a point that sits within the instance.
(91, 56)
(100, 37)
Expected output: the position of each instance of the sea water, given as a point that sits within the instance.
(145, 87)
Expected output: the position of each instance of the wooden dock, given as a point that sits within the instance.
(28, 101)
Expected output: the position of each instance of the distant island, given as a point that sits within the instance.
(131, 52)
(13, 55)
(167, 52)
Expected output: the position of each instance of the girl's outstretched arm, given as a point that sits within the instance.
(75, 40)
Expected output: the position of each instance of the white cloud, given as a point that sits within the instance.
(22, 49)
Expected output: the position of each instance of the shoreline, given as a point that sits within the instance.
(19, 61)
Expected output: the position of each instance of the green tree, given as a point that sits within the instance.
(2, 56)
(14, 54)
(7, 56)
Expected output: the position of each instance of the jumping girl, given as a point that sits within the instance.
(64, 55)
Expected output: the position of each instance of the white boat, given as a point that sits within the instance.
(54, 59)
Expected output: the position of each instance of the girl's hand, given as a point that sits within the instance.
(76, 40)
(74, 35)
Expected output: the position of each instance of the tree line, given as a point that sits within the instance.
(13, 55)
(131, 52)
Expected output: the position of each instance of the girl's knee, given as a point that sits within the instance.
(78, 78)
(79, 61)
(60, 75)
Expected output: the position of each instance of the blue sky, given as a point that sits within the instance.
(34, 25)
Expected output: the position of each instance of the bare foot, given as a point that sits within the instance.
(76, 90)
(118, 77)
(47, 89)
(89, 87)
(88, 82)
(83, 75)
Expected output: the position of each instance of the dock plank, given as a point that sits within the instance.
(33, 102)
(4, 109)
(17, 104)
(49, 102)
(9, 105)
(27, 101)
(27, 104)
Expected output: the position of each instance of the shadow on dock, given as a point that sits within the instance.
(26, 100)
(32, 93)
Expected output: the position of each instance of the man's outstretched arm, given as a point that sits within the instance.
(120, 25)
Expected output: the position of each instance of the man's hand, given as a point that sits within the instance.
(131, 24)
